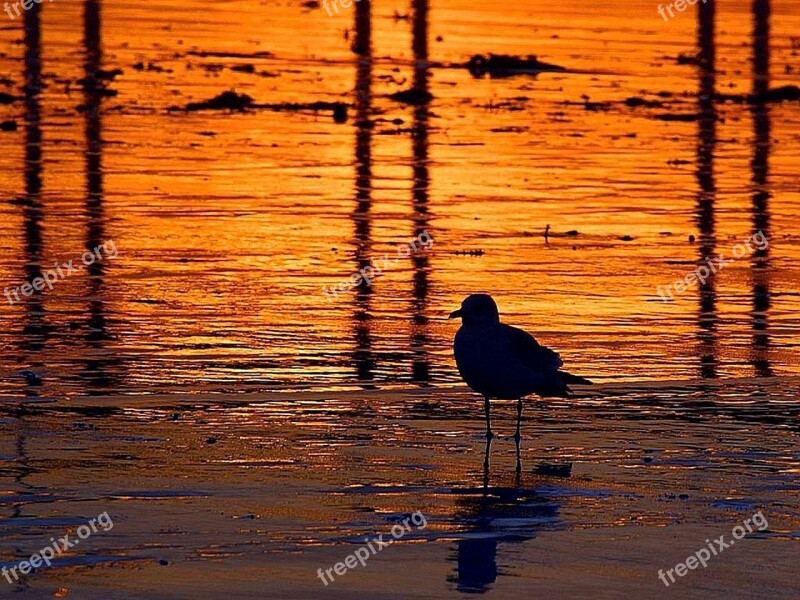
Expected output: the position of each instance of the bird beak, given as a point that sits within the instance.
(456, 314)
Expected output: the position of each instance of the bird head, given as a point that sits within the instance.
(477, 310)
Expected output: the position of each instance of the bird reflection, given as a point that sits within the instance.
(494, 516)
(760, 167)
(420, 260)
(476, 565)
(706, 196)
(362, 47)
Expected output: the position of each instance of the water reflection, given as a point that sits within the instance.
(421, 217)
(362, 316)
(99, 372)
(36, 329)
(94, 159)
(760, 264)
(706, 195)
(484, 152)
(493, 516)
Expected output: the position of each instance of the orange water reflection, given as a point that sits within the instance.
(229, 225)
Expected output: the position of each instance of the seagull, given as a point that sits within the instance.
(503, 362)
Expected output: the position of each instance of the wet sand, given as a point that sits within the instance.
(250, 495)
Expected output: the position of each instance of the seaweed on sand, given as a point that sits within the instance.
(506, 65)
(234, 101)
(225, 101)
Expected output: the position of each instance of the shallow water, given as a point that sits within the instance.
(229, 225)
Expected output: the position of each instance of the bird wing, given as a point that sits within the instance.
(531, 353)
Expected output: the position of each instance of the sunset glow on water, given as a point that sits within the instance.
(229, 225)
(209, 357)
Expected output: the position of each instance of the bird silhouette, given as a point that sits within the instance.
(504, 362)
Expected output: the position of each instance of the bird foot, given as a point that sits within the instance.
(489, 435)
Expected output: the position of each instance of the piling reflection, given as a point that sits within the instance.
(97, 372)
(94, 165)
(706, 195)
(421, 193)
(36, 329)
(362, 316)
(760, 264)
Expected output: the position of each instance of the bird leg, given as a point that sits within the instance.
(489, 434)
(486, 462)
(517, 435)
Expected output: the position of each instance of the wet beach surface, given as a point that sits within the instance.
(214, 493)
(243, 429)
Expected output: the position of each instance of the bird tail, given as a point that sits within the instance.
(570, 379)
(558, 387)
